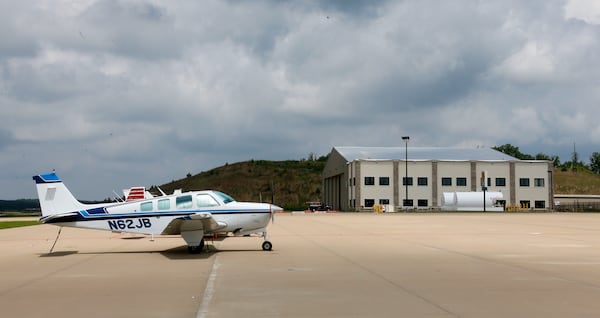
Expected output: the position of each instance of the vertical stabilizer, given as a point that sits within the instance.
(54, 196)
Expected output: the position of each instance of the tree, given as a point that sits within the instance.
(555, 161)
(542, 156)
(513, 151)
(595, 162)
(508, 149)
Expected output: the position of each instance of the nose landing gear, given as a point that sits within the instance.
(267, 246)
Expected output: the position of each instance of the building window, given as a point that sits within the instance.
(369, 180)
(446, 181)
(369, 203)
(384, 201)
(422, 203)
(422, 181)
(501, 182)
(524, 182)
(540, 204)
(538, 182)
(525, 204)
(408, 202)
(407, 181)
(384, 181)
(461, 182)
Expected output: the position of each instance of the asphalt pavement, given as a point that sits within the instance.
(322, 265)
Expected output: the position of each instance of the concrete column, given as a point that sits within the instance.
(434, 184)
(513, 183)
(473, 176)
(551, 186)
(359, 184)
(396, 179)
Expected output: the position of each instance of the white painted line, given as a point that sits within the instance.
(209, 291)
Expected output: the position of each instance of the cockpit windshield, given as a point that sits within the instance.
(226, 198)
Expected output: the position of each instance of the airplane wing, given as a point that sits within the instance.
(198, 221)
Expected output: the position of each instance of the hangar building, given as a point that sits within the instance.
(357, 178)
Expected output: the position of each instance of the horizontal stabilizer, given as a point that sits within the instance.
(58, 218)
(46, 178)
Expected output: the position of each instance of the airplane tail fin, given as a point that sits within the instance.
(54, 196)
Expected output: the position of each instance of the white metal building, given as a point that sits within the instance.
(357, 178)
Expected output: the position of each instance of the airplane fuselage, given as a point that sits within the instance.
(152, 216)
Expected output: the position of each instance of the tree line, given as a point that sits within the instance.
(573, 164)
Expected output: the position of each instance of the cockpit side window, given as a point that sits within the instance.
(164, 204)
(204, 200)
(146, 206)
(226, 198)
(183, 202)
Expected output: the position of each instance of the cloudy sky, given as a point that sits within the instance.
(124, 92)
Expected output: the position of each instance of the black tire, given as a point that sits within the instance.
(196, 249)
(193, 250)
(267, 246)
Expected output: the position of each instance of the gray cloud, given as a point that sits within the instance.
(115, 93)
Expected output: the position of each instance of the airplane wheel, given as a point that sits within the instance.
(193, 250)
(267, 246)
(196, 249)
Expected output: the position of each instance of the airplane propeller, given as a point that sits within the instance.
(272, 214)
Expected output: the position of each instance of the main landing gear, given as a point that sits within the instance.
(196, 249)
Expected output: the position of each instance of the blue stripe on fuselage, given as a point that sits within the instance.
(83, 215)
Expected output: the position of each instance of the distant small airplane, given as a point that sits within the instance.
(193, 215)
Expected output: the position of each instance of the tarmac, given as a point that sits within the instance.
(322, 265)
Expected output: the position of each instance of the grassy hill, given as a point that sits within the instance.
(291, 183)
(582, 181)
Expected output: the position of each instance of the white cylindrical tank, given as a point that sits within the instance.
(449, 199)
(470, 201)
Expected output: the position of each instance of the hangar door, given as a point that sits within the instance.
(332, 195)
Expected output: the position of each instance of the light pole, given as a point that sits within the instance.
(406, 138)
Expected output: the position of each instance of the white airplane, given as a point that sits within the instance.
(191, 214)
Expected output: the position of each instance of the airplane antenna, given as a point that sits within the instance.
(56, 240)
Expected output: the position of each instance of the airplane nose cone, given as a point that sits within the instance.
(276, 208)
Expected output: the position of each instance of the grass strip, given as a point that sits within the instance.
(11, 224)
